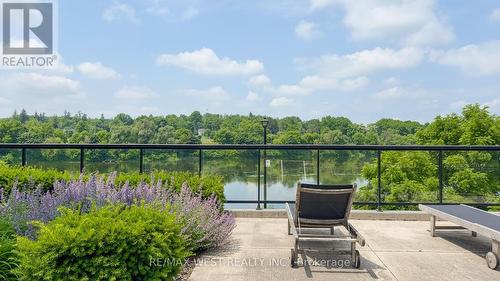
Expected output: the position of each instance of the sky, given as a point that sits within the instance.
(364, 59)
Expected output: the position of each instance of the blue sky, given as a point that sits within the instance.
(365, 59)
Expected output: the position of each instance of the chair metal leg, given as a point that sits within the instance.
(332, 230)
(433, 226)
(294, 254)
(495, 247)
(289, 230)
(353, 252)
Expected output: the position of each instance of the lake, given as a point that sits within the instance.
(240, 172)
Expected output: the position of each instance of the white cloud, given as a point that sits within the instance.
(319, 83)
(189, 13)
(364, 62)
(494, 105)
(281, 102)
(391, 81)
(40, 85)
(474, 60)
(259, 81)
(398, 93)
(294, 90)
(495, 15)
(135, 92)
(316, 83)
(118, 11)
(176, 10)
(60, 68)
(214, 94)
(431, 33)
(252, 97)
(458, 105)
(98, 71)
(205, 61)
(319, 4)
(412, 23)
(354, 84)
(390, 93)
(158, 8)
(307, 30)
(39, 92)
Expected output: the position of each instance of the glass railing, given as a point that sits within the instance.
(266, 176)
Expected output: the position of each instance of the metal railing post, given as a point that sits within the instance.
(200, 162)
(440, 175)
(258, 180)
(141, 160)
(23, 156)
(317, 167)
(265, 178)
(379, 181)
(82, 158)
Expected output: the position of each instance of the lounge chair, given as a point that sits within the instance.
(327, 207)
(473, 219)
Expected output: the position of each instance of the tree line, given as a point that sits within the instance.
(197, 128)
(406, 176)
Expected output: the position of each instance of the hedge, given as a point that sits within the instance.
(28, 177)
(206, 185)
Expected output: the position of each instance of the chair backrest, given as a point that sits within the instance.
(324, 204)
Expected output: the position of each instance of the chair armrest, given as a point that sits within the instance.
(291, 221)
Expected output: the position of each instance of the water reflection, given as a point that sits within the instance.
(240, 173)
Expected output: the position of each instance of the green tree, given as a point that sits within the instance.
(405, 177)
(10, 130)
(290, 137)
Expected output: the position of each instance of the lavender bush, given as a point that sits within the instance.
(202, 218)
(204, 222)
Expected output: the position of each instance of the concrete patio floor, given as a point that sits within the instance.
(395, 250)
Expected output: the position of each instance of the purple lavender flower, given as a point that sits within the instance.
(205, 224)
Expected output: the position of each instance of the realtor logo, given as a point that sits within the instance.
(28, 33)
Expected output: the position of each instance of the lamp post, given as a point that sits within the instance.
(264, 123)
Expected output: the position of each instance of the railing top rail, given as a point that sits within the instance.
(253, 146)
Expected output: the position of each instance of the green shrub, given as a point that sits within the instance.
(112, 243)
(30, 176)
(8, 258)
(207, 184)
